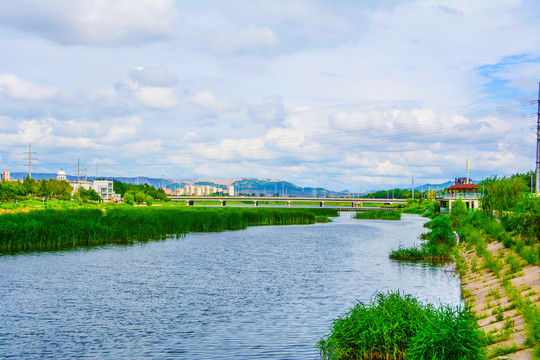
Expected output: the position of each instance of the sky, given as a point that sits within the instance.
(356, 95)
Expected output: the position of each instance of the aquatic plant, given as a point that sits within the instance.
(398, 326)
(378, 215)
(54, 229)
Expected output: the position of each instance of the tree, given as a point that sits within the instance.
(458, 213)
(149, 200)
(30, 186)
(129, 198)
(86, 195)
(140, 197)
(502, 194)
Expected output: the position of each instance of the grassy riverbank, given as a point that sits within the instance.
(498, 261)
(499, 265)
(55, 229)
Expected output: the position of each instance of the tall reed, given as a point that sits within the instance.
(54, 229)
(378, 215)
(398, 326)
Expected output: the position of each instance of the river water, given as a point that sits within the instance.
(266, 292)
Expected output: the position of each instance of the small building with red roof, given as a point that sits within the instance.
(468, 193)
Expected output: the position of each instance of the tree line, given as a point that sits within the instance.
(53, 189)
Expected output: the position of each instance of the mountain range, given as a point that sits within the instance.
(249, 186)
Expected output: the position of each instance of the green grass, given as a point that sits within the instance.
(378, 215)
(55, 229)
(396, 326)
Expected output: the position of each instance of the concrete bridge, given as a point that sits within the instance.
(354, 202)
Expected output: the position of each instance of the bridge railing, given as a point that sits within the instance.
(459, 195)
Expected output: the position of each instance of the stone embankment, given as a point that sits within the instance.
(499, 288)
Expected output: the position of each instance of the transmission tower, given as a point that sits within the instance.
(30, 157)
(538, 145)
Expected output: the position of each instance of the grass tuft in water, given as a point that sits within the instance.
(397, 326)
(378, 215)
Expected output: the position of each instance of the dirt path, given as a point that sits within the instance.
(498, 310)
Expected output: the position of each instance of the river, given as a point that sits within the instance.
(267, 292)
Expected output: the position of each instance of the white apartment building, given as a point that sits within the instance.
(6, 175)
(200, 190)
(104, 188)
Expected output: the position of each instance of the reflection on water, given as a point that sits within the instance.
(263, 292)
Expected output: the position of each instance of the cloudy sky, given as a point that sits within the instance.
(339, 94)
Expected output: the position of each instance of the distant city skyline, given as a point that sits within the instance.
(333, 94)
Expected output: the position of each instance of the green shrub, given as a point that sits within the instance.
(441, 231)
(458, 213)
(396, 326)
(514, 263)
(451, 333)
(413, 254)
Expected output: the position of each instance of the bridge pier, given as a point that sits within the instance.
(289, 203)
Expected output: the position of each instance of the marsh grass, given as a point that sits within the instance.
(56, 229)
(396, 326)
(378, 215)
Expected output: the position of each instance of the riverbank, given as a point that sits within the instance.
(504, 292)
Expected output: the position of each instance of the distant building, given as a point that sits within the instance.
(462, 180)
(6, 175)
(104, 188)
(199, 190)
(61, 175)
(467, 192)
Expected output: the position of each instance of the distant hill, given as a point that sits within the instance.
(249, 186)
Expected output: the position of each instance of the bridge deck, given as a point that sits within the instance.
(288, 199)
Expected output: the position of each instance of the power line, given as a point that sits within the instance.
(314, 137)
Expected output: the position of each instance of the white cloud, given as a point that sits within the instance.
(93, 22)
(269, 111)
(368, 91)
(19, 89)
(254, 36)
(157, 97)
(162, 98)
(153, 76)
(207, 100)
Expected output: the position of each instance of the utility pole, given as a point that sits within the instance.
(413, 187)
(538, 145)
(30, 158)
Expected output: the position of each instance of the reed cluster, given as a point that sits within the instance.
(378, 215)
(397, 326)
(55, 229)
(440, 244)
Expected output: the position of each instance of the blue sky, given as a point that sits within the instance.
(338, 94)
